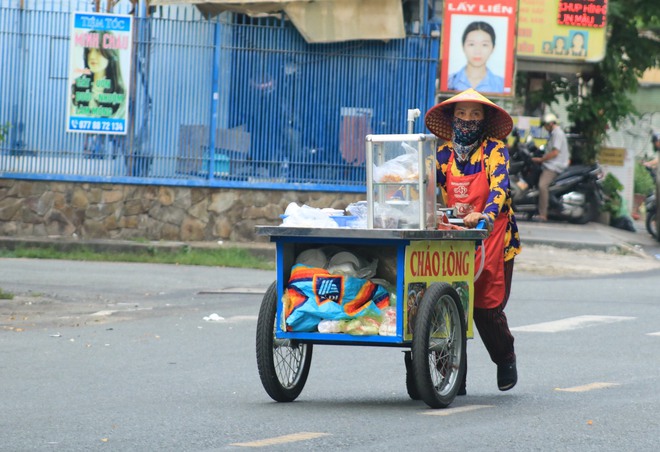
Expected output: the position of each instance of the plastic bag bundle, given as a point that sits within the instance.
(307, 216)
(313, 294)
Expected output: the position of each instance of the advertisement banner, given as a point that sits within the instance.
(428, 262)
(478, 44)
(99, 73)
(562, 30)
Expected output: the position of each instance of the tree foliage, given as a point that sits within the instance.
(4, 129)
(600, 99)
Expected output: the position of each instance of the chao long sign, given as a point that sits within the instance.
(99, 69)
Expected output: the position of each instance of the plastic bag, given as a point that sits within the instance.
(329, 326)
(313, 295)
(362, 326)
(386, 217)
(388, 323)
(359, 211)
(307, 216)
(399, 169)
(391, 288)
(350, 264)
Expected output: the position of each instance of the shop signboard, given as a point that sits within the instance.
(562, 30)
(99, 73)
(478, 47)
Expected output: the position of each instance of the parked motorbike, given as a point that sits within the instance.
(575, 195)
(651, 215)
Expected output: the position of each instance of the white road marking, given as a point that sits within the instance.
(457, 410)
(571, 323)
(295, 437)
(243, 318)
(107, 312)
(588, 387)
(102, 313)
(233, 290)
(654, 334)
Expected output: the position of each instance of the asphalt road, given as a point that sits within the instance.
(111, 356)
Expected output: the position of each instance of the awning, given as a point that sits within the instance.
(346, 20)
(319, 21)
(213, 8)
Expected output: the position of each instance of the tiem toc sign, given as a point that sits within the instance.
(99, 68)
(582, 13)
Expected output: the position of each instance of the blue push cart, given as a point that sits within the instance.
(433, 271)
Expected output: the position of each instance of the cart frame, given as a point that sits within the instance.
(436, 362)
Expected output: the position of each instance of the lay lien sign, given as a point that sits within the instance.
(478, 43)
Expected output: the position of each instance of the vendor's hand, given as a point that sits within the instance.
(537, 160)
(472, 219)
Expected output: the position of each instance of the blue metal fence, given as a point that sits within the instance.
(285, 114)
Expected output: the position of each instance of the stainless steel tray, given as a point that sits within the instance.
(372, 234)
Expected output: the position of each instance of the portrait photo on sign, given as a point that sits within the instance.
(99, 75)
(478, 54)
(100, 48)
(578, 42)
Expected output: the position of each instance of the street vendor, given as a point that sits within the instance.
(472, 173)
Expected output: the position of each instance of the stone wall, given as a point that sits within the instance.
(108, 211)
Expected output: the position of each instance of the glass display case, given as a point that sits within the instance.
(401, 183)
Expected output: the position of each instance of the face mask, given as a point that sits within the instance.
(466, 136)
(467, 132)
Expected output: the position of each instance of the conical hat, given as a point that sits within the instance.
(439, 117)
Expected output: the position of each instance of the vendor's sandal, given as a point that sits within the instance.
(507, 376)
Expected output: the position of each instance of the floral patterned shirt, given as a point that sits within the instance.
(496, 164)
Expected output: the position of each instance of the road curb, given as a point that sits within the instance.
(266, 250)
(261, 250)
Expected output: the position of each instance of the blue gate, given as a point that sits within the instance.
(285, 114)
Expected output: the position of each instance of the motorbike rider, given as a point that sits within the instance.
(555, 160)
(655, 140)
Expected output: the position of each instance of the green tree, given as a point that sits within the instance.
(600, 99)
(3, 131)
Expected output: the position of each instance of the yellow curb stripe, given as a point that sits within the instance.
(588, 387)
(457, 410)
(302, 436)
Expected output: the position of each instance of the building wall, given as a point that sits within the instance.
(35, 208)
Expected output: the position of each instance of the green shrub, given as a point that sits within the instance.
(643, 181)
(613, 200)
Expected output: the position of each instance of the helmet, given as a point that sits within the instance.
(549, 118)
(655, 136)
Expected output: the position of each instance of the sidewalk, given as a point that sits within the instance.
(592, 236)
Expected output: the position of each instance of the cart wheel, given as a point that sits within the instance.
(283, 364)
(411, 385)
(439, 346)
